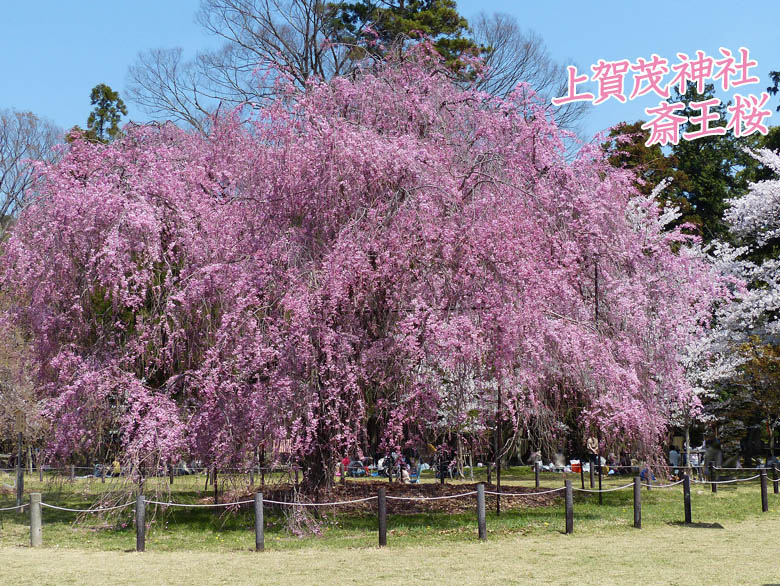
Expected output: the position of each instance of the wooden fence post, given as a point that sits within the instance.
(72, 472)
(590, 471)
(36, 536)
(569, 507)
(382, 512)
(764, 498)
(637, 502)
(713, 477)
(481, 524)
(343, 472)
(536, 473)
(259, 529)
(775, 481)
(582, 473)
(140, 523)
(687, 498)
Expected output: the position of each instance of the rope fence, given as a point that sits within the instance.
(193, 505)
(670, 485)
(524, 493)
(727, 481)
(97, 510)
(36, 505)
(599, 491)
(431, 498)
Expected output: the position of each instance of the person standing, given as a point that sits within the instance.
(674, 460)
(593, 451)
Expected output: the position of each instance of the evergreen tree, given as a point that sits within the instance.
(716, 167)
(705, 173)
(103, 121)
(375, 26)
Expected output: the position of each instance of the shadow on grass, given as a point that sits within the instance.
(697, 525)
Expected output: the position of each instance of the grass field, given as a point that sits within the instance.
(733, 542)
(743, 552)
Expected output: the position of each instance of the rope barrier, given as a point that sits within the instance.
(525, 493)
(185, 505)
(667, 485)
(626, 466)
(727, 481)
(370, 498)
(298, 504)
(431, 498)
(99, 510)
(603, 490)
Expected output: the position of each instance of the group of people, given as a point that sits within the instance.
(115, 469)
(395, 465)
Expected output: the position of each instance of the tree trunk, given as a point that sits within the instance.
(460, 457)
(316, 475)
(688, 448)
(498, 452)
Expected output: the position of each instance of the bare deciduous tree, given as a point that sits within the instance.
(24, 138)
(16, 388)
(169, 87)
(516, 56)
(263, 36)
(260, 37)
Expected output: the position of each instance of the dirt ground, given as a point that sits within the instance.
(419, 492)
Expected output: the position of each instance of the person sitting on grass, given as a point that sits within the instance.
(646, 473)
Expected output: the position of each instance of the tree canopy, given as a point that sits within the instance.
(363, 254)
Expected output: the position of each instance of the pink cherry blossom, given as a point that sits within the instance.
(364, 264)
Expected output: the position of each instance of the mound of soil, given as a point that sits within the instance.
(417, 493)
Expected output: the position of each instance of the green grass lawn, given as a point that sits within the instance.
(731, 541)
(743, 552)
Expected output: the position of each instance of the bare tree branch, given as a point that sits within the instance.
(263, 37)
(260, 38)
(517, 56)
(168, 87)
(24, 138)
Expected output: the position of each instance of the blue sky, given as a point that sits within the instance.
(53, 52)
